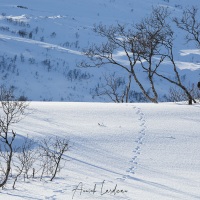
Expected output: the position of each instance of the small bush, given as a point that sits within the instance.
(23, 98)
(22, 33)
(23, 7)
(77, 74)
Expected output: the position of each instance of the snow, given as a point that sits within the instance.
(190, 51)
(117, 151)
(148, 151)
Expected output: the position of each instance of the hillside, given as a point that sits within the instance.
(42, 41)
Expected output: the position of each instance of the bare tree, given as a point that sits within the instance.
(51, 151)
(190, 23)
(118, 38)
(151, 33)
(159, 46)
(115, 88)
(140, 44)
(147, 45)
(168, 54)
(12, 112)
(25, 158)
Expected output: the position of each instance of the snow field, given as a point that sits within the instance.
(147, 151)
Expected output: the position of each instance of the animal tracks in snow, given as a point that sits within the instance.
(139, 142)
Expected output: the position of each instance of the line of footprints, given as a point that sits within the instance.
(138, 141)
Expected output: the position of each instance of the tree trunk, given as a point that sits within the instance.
(154, 100)
(8, 166)
(128, 88)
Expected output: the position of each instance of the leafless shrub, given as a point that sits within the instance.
(23, 7)
(24, 159)
(115, 88)
(51, 151)
(22, 33)
(176, 94)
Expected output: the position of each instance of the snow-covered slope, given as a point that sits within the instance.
(41, 43)
(147, 151)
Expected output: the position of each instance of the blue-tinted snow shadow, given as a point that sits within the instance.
(22, 196)
(18, 142)
(164, 187)
(145, 182)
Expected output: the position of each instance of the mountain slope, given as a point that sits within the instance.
(41, 43)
